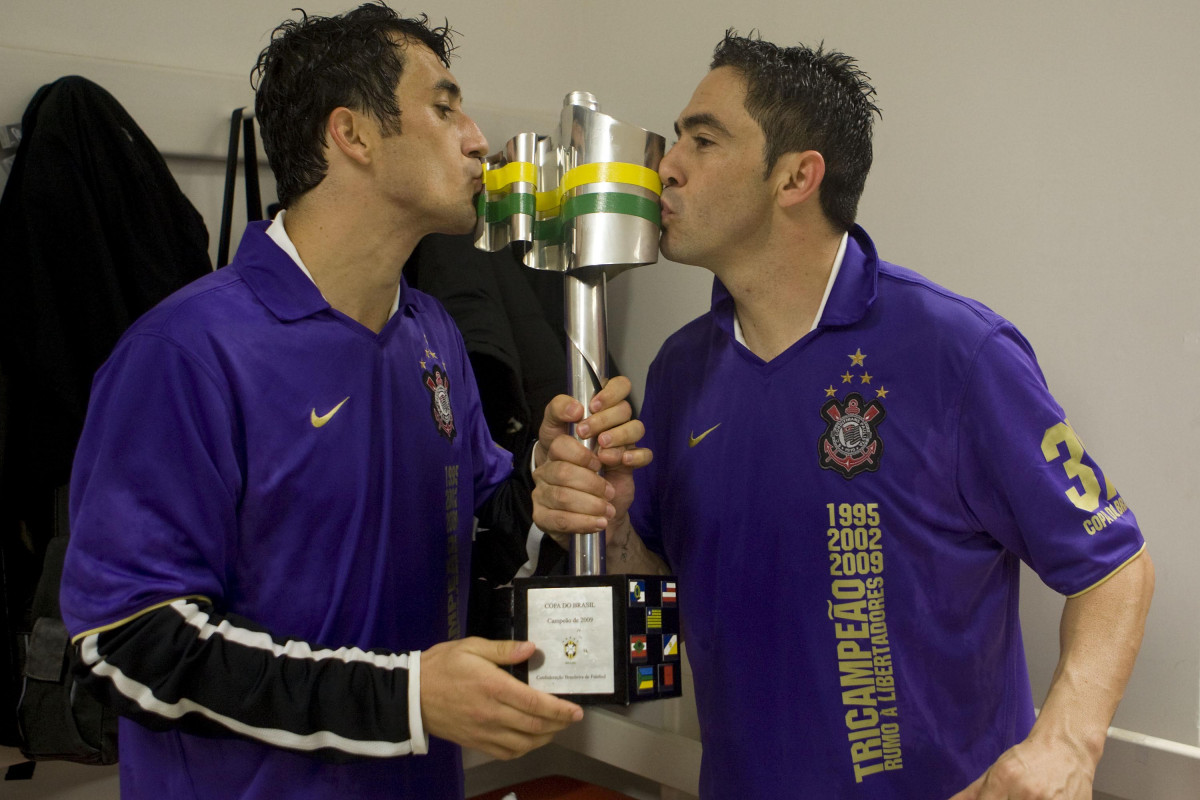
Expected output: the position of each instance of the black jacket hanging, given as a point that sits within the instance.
(93, 232)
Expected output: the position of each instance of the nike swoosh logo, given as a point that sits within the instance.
(317, 422)
(695, 440)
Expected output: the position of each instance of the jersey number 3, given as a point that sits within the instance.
(1063, 433)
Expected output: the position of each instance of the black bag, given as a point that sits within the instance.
(57, 720)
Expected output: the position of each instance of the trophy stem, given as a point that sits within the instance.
(587, 370)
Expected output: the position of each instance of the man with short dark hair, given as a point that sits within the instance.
(850, 463)
(272, 499)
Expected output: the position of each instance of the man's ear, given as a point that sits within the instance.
(798, 176)
(351, 134)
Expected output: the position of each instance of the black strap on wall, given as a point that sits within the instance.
(243, 128)
(253, 200)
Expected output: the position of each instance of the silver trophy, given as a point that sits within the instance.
(586, 205)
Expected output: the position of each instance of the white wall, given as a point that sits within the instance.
(1038, 156)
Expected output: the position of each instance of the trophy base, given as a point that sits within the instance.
(600, 638)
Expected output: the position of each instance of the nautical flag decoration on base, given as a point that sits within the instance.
(600, 638)
(670, 647)
(668, 593)
(654, 619)
(666, 676)
(645, 680)
(637, 648)
(637, 592)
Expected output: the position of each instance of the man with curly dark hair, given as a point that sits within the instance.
(851, 463)
(273, 496)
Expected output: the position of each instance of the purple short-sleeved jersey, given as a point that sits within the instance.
(249, 444)
(848, 519)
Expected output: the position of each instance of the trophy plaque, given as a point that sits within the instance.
(586, 206)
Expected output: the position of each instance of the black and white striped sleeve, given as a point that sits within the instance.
(183, 666)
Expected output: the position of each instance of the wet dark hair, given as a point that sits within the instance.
(316, 64)
(805, 99)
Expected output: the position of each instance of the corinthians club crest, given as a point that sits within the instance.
(851, 442)
(438, 384)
